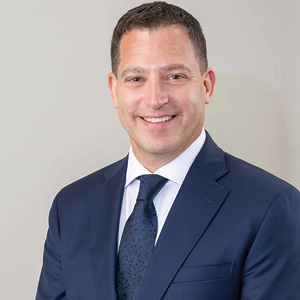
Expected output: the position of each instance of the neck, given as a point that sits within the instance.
(157, 157)
(152, 162)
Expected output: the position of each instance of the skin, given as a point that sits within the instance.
(159, 77)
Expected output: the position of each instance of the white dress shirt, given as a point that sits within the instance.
(175, 171)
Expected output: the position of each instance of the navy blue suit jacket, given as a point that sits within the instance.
(233, 232)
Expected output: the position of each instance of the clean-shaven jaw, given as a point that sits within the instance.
(160, 93)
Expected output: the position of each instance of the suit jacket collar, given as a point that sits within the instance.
(104, 210)
(196, 204)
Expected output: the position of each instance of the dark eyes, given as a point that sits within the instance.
(135, 79)
(176, 77)
(171, 77)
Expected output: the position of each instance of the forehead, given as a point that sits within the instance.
(169, 44)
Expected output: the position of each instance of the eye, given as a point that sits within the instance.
(135, 79)
(176, 77)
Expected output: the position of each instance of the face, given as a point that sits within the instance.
(160, 93)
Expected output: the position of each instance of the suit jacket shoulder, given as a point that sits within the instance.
(79, 188)
(252, 181)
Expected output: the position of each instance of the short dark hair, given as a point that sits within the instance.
(153, 16)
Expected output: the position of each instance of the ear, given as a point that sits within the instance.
(209, 84)
(112, 84)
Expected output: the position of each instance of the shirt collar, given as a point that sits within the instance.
(175, 170)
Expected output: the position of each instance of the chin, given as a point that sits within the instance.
(159, 150)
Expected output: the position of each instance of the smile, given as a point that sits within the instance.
(158, 120)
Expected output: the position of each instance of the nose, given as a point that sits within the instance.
(156, 95)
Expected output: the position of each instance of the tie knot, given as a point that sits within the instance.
(150, 186)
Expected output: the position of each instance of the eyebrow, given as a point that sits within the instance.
(168, 68)
(177, 67)
(136, 70)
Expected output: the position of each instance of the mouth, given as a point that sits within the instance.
(158, 120)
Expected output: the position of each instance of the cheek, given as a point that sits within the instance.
(197, 99)
(126, 111)
(189, 94)
(127, 101)
(190, 101)
(194, 109)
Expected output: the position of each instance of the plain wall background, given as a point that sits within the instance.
(57, 122)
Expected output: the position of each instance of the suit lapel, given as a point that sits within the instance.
(195, 206)
(104, 211)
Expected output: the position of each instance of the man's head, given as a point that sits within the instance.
(152, 16)
(158, 87)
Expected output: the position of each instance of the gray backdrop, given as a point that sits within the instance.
(58, 123)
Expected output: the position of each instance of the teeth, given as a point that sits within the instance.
(158, 120)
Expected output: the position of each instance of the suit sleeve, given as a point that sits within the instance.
(51, 283)
(272, 267)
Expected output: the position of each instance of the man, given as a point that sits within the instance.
(224, 229)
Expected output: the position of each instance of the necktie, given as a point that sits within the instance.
(138, 238)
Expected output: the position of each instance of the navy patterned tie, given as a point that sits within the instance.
(138, 238)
